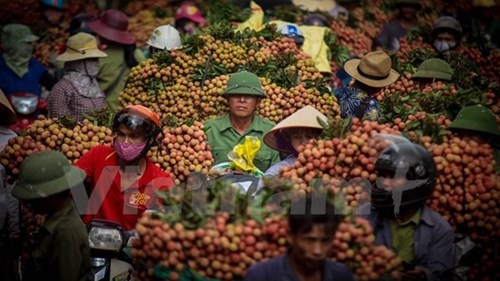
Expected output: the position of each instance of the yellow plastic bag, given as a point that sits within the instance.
(243, 154)
(315, 46)
(255, 21)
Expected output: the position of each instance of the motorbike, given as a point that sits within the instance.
(246, 183)
(108, 250)
(27, 107)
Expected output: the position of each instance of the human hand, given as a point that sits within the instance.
(417, 273)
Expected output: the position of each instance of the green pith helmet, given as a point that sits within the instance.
(46, 173)
(434, 68)
(415, 3)
(244, 83)
(476, 118)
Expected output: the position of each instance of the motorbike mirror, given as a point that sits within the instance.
(24, 103)
(196, 181)
(105, 235)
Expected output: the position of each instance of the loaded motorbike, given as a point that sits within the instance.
(27, 107)
(109, 244)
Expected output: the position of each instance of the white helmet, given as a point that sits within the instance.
(165, 37)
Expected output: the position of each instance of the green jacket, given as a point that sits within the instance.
(63, 251)
(222, 138)
(113, 74)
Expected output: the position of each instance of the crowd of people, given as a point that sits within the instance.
(120, 180)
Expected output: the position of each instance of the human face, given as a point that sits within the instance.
(301, 137)
(408, 12)
(445, 37)
(311, 248)
(242, 106)
(129, 135)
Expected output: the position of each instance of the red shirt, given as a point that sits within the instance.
(108, 199)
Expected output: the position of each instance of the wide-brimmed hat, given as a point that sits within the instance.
(113, 26)
(476, 118)
(18, 32)
(306, 117)
(244, 83)
(484, 3)
(46, 173)
(374, 69)
(81, 46)
(434, 68)
(191, 12)
(9, 116)
(315, 5)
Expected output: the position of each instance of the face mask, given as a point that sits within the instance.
(443, 46)
(189, 29)
(128, 151)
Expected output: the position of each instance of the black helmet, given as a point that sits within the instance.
(134, 116)
(79, 24)
(414, 165)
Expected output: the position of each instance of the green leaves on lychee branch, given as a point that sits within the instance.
(338, 53)
(223, 11)
(335, 128)
(397, 105)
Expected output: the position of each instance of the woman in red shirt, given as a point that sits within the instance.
(122, 181)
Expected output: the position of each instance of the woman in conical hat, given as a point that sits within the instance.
(295, 130)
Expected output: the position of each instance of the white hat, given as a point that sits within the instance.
(165, 37)
(306, 117)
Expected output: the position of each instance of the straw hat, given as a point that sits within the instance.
(8, 116)
(484, 3)
(113, 26)
(374, 69)
(81, 46)
(306, 117)
(315, 5)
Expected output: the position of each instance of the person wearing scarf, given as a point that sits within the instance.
(19, 71)
(78, 92)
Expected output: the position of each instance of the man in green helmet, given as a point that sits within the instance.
(432, 70)
(243, 93)
(479, 123)
(61, 248)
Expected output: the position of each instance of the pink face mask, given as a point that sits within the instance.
(128, 151)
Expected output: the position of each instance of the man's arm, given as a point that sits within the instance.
(440, 253)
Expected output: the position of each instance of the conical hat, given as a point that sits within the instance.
(306, 117)
(10, 115)
(315, 5)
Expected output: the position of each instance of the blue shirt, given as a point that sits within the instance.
(30, 82)
(350, 99)
(433, 239)
(279, 269)
(275, 169)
